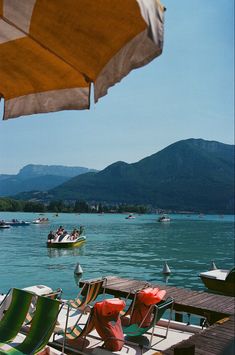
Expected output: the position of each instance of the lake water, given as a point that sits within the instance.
(134, 248)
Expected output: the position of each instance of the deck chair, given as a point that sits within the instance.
(84, 300)
(43, 324)
(15, 315)
(156, 312)
(102, 317)
(70, 335)
(88, 294)
(53, 295)
(144, 313)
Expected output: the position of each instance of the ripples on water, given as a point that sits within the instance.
(135, 248)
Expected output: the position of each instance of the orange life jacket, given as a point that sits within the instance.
(108, 324)
(145, 300)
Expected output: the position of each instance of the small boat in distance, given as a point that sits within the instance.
(17, 223)
(3, 225)
(164, 218)
(130, 216)
(62, 239)
(40, 220)
(219, 280)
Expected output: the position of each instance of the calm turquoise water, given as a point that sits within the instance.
(134, 248)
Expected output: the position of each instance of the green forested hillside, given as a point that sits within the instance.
(193, 174)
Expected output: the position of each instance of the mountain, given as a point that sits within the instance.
(37, 177)
(192, 174)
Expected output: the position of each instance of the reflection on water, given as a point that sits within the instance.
(165, 279)
(56, 267)
(77, 278)
(57, 252)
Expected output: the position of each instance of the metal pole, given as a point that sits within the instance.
(66, 325)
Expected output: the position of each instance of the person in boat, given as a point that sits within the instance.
(62, 235)
(50, 236)
(74, 234)
(81, 230)
(60, 230)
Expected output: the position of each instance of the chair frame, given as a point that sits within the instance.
(81, 335)
(155, 309)
(84, 303)
(83, 306)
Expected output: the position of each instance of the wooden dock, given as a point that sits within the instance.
(215, 340)
(218, 309)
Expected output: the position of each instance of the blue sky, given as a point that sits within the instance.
(187, 92)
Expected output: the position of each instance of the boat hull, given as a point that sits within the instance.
(18, 224)
(221, 286)
(75, 244)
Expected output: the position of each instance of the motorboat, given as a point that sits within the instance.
(16, 223)
(3, 225)
(220, 280)
(130, 216)
(40, 220)
(164, 218)
(66, 240)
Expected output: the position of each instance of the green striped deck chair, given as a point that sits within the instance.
(74, 333)
(136, 330)
(88, 294)
(53, 295)
(15, 315)
(42, 326)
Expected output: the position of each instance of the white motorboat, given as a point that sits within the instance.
(40, 220)
(164, 218)
(3, 225)
(16, 223)
(220, 280)
(130, 216)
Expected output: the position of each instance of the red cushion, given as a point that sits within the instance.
(108, 323)
(151, 295)
(111, 306)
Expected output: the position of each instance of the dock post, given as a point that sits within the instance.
(178, 317)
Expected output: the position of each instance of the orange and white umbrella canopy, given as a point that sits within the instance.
(51, 51)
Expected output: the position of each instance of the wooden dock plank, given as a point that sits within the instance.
(187, 300)
(215, 301)
(214, 340)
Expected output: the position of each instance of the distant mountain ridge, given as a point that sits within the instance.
(38, 177)
(33, 170)
(192, 174)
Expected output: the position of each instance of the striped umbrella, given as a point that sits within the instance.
(52, 51)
